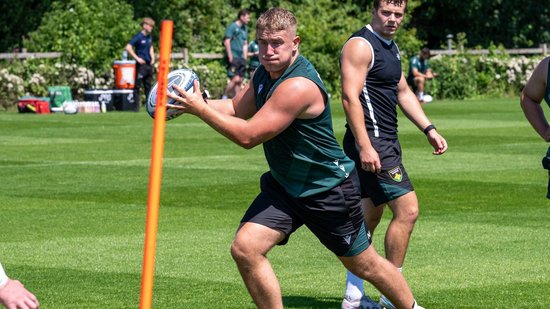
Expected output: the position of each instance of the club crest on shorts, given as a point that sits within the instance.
(396, 174)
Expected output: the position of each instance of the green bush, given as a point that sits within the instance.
(11, 88)
(88, 33)
(456, 77)
(92, 34)
(212, 74)
(468, 76)
(460, 77)
(325, 26)
(32, 77)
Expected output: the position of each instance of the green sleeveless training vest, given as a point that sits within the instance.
(305, 158)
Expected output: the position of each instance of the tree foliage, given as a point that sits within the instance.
(324, 26)
(511, 23)
(18, 19)
(198, 24)
(91, 33)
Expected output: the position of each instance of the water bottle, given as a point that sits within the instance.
(124, 55)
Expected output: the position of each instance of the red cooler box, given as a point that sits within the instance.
(33, 105)
(125, 74)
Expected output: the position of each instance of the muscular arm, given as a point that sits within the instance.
(355, 60)
(245, 49)
(532, 96)
(227, 44)
(413, 110)
(416, 72)
(294, 98)
(410, 106)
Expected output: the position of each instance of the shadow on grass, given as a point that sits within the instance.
(311, 302)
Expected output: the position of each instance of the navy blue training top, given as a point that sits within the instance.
(379, 95)
(142, 45)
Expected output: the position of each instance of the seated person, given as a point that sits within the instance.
(419, 72)
(254, 62)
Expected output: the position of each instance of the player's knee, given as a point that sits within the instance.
(408, 216)
(237, 251)
(240, 251)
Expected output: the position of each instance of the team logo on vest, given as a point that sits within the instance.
(396, 174)
(398, 56)
(260, 88)
(340, 166)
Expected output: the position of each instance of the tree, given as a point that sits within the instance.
(198, 25)
(92, 33)
(19, 18)
(325, 25)
(511, 23)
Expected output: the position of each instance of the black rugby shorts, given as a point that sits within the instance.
(393, 180)
(334, 216)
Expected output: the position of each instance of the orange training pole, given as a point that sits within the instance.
(155, 175)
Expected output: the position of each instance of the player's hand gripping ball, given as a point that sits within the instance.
(184, 78)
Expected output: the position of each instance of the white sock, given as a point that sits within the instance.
(354, 287)
(420, 95)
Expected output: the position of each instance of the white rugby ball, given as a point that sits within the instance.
(428, 98)
(70, 108)
(184, 78)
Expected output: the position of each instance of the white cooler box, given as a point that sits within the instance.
(103, 96)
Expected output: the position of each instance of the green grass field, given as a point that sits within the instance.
(74, 198)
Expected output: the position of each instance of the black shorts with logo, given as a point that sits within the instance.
(393, 180)
(237, 67)
(334, 216)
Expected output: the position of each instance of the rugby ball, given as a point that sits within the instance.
(184, 78)
(70, 108)
(428, 98)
